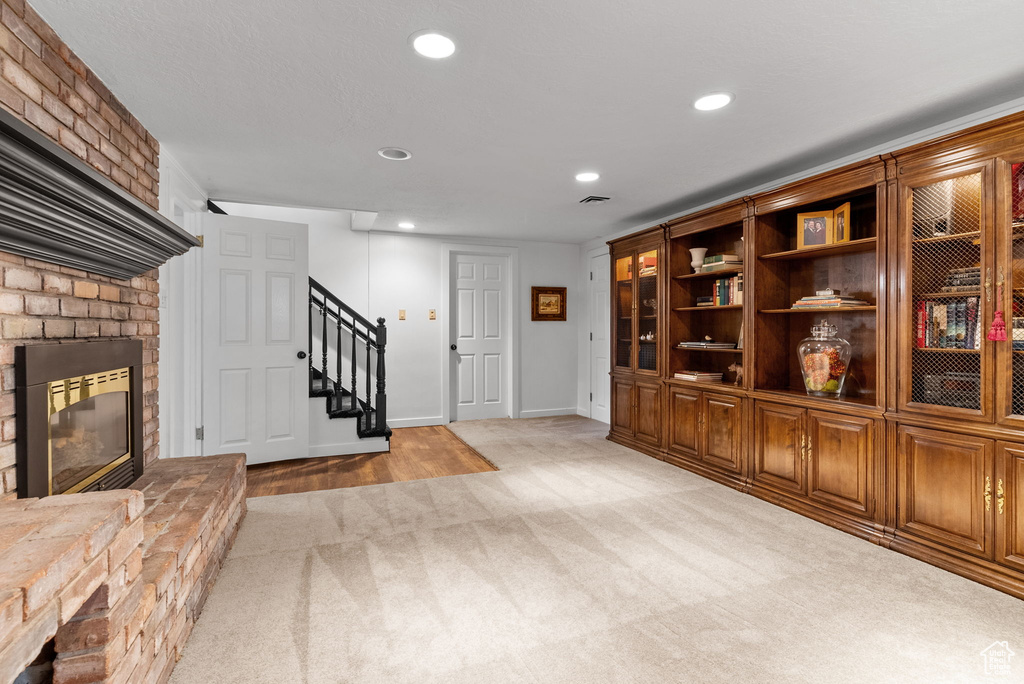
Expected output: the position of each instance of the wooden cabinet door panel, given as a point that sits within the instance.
(1010, 510)
(778, 456)
(722, 433)
(840, 456)
(683, 415)
(648, 413)
(622, 406)
(941, 487)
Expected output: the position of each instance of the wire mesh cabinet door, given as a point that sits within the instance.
(947, 280)
(1009, 343)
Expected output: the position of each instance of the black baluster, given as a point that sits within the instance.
(367, 378)
(382, 401)
(323, 373)
(337, 383)
(354, 364)
(309, 317)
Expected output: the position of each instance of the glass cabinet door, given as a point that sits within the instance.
(950, 281)
(624, 312)
(647, 310)
(1011, 272)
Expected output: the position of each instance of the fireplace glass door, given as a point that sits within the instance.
(89, 431)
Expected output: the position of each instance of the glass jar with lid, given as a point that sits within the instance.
(824, 361)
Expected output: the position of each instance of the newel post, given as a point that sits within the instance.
(382, 400)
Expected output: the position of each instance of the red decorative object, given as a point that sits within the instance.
(997, 333)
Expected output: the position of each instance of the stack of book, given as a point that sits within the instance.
(830, 301)
(948, 324)
(699, 376)
(963, 280)
(724, 291)
(706, 345)
(720, 262)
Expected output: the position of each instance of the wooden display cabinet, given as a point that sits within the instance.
(720, 232)
(783, 274)
(637, 334)
(933, 225)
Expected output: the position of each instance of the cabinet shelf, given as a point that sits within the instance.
(945, 295)
(859, 401)
(712, 351)
(851, 247)
(711, 274)
(709, 308)
(939, 350)
(974, 237)
(819, 309)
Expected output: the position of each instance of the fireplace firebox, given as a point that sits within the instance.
(79, 417)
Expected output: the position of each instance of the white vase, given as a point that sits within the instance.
(697, 254)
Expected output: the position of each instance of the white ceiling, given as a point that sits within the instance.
(287, 102)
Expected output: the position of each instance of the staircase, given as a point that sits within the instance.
(349, 360)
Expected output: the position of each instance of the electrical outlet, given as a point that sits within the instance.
(401, 314)
(433, 314)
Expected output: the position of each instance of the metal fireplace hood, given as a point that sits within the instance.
(56, 208)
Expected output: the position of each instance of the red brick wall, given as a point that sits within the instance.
(45, 84)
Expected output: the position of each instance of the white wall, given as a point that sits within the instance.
(379, 273)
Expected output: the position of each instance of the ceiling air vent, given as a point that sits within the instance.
(594, 199)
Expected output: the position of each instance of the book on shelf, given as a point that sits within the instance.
(725, 292)
(723, 258)
(706, 345)
(947, 324)
(720, 266)
(698, 376)
(828, 302)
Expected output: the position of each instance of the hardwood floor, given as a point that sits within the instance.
(416, 454)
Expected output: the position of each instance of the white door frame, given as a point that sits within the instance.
(448, 250)
(591, 319)
(181, 287)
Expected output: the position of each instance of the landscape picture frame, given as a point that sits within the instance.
(547, 303)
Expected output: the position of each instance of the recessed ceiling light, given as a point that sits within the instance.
(433, 44)
(713, 101)
(405, 225)
(587, 176)
(394, 153)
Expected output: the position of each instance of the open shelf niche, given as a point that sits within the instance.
(782, 274)
(720, 232)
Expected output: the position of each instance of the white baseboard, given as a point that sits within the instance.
(372, 445)
(415, 422)
(581, 411)
(547, 413)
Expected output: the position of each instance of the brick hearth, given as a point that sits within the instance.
(116, 578)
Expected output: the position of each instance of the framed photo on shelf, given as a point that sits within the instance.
(547, 303)
(814, 229)
(841, 225)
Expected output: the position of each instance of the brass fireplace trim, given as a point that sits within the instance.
(64, 393)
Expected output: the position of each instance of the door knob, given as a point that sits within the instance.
(301, 355)
(455, 347)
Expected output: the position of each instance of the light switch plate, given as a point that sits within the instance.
(433, 314)
(401, 314)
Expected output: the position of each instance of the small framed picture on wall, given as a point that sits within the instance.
(813, 229)
(548, 303)
(841, 224)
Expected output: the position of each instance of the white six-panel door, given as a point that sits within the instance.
(255, 388)
(479, 305)
(600, 346)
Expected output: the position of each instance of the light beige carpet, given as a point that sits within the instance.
(579, 561)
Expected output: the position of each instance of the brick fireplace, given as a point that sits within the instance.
(44, 84)
(94, 586)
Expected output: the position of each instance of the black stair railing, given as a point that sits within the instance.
(333, 319)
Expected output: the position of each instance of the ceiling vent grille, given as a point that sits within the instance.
(593, 199)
